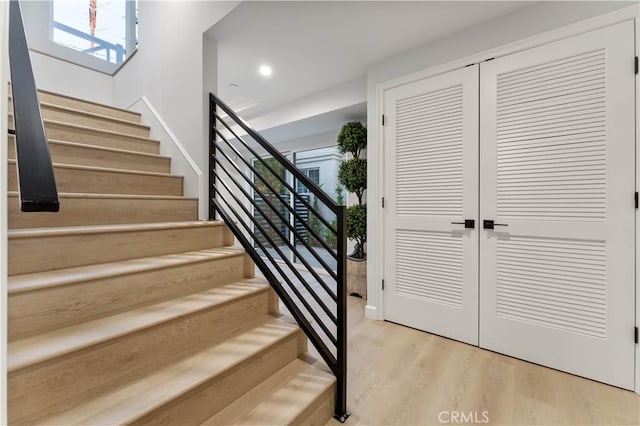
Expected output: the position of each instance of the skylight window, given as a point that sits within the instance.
(104, 29)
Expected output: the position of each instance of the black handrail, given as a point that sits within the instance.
(256, 227)
(37, 184)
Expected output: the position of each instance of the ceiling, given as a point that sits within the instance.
(313, 46)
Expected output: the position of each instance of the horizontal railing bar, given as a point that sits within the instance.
(274, 172)
(284, 276)
(262, 229)
(313, 187)
(306, 264)
(311, 333)
(273, 190)
(95, 49)
(295, 271)
(88, 37)
(281, 217)
(268, 166)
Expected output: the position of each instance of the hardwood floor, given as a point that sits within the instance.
(402, 376)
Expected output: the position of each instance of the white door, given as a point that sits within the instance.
(431, 181)
(557, 174)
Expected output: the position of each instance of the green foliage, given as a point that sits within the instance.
(357, 228)
(272, 179)
(328, 235)
(339, 195)
(353, 175)
(314, 223)
(352, 138)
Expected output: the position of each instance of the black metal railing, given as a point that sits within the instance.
(37, 184)
(301, 253)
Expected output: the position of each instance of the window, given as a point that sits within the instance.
(313, 174)
(104, 29)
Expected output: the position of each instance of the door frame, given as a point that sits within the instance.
(375, 190)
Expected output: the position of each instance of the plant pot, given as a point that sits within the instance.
(357, 277)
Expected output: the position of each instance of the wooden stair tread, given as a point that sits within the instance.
(70, 151)
(91, 208)
(106, 169)
(88, 102)
(136, 399)
(43, 347)
(132, 310)
(103, 229)
(39, 280)
(94, 115)
(93, 129)
(103, 148)
(114, 196)
(279, 400)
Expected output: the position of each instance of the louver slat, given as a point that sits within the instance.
(429, 153)
(553, 283)
(428, 266)
(551, 125)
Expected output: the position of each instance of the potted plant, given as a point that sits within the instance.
(352, 175)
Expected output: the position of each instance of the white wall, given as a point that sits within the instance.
(54, 74)
(170, 146)
(536, 19)
(169, 70)
(69, 79)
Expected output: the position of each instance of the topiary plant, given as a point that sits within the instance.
(357, 228)
(353, 175)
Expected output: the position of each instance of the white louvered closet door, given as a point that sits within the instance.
(557, 170)
(431, 180)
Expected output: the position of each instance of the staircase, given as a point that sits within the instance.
(124, 309)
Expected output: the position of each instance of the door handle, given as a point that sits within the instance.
(490, 224)
(468, 223)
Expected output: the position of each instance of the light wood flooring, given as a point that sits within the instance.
(401, 376)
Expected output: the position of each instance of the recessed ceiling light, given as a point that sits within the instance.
(265, 70)
(234, 86)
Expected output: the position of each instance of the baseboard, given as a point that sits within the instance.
(371, 312)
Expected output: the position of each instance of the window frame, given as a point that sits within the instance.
(38, 18)
(300, 186)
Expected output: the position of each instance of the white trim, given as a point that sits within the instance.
(181, 162)
(637, 253)
(611, 18)
(172, 136)
(371, 312)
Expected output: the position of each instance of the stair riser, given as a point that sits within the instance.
(51, 98)
(108, 182)
(104, 211)
(43, 253)
(51, 308)
(53, 112)
(91, 136)
(87, 156)
(60, 384)
(198, 405)
(320, 412)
